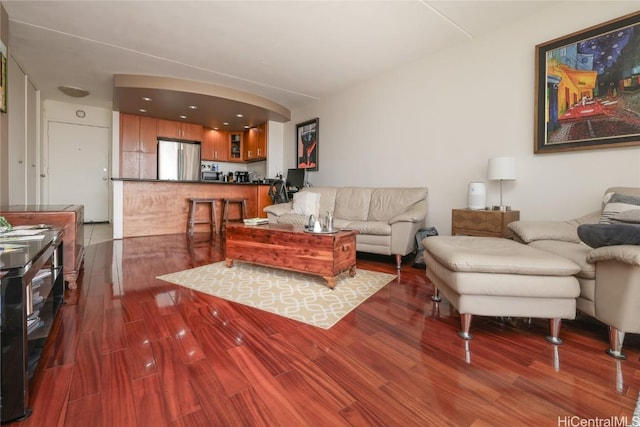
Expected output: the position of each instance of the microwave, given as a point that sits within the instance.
(210, 175)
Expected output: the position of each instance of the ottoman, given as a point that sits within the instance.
(491, 276)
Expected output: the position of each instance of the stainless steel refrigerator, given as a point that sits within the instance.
(178, 160)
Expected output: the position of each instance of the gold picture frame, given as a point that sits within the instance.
(587, 93)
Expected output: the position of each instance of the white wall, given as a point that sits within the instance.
(436, 122)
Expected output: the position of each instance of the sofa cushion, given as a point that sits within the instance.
(597, 235)
(352, 203)
(380, 228)
(327, 198)
(295, 219)
(615, 203)
(306, 203)
(389, 202)
(495, 255)
(576, 252)
(530, 231)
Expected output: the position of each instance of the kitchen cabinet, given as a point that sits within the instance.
(138, 146)
(256, 144)
(179, 130)
(215, 145)
(235, 146)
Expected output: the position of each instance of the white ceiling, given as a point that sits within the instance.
(290, 52)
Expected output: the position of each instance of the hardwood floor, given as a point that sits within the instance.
(132, 350)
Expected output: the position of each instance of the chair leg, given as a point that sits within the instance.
(214, 218)
(465, 323)
(244, 210)
(192, 215)
(616, 338)
(554, 329)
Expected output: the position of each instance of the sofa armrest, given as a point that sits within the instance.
(415, 213)
(278, 209)
(629, 254)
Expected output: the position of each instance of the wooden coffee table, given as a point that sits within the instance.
(290, 247)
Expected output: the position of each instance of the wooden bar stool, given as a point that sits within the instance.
(213, 218)
(243, 210)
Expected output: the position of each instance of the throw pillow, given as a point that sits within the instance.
(631, 216)
(615, 203)
(306, 203)
(597, 235)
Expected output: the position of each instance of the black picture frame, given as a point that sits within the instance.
(307, 136)
(587, 91)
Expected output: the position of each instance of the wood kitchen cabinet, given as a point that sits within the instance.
(138, 147)
(179, 130)
(255, 143)
(236, 146)
(215, 145)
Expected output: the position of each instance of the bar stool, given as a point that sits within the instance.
(212, 221)
(243, 210)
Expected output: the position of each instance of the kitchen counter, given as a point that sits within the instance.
(151, 207)
(187, 182)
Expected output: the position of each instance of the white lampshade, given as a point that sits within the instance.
(501, 168)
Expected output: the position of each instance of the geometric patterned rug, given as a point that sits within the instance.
(298, 296)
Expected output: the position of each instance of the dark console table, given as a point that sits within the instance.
(32, 292)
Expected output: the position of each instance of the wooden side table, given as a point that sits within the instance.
(484, 223)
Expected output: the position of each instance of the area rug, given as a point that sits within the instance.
(298, 296)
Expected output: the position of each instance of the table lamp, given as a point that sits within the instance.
(501, 169)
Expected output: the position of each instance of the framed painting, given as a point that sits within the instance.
(307, 144)
(587, 93)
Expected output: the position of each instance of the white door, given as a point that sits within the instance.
(78, 168)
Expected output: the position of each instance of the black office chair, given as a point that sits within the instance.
(278, 192)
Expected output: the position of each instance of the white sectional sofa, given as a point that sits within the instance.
(386, 219)
(609, 275)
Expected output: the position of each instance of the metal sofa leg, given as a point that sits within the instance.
(436, 296)
(465, 323)
(398, 261)
(616, 338)
(554, 329)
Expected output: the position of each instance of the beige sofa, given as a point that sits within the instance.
(386, 219)
(609, 276)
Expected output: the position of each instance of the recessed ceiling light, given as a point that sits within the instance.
(225, 123)
(142, 110)
(74, 91)
(216, 128)
(146, 98)
(247, 126)
(239, 115)
(183, 116)
(192, 107)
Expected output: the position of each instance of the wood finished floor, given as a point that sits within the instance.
(132, 350)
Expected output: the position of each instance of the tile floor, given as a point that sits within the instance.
(96, 233)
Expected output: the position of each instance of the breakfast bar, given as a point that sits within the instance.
(150, 207)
